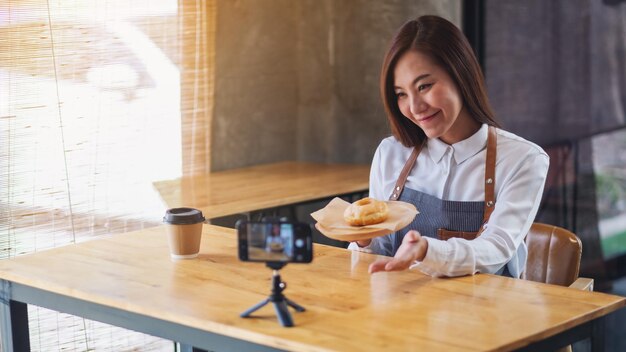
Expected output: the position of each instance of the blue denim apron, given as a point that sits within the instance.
(439, 218)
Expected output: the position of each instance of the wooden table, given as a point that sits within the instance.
(261, 187)
(128, 280)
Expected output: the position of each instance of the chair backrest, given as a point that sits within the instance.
(553, 255)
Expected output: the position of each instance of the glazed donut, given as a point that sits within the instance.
(366, 211)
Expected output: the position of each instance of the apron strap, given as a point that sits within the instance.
(490, 173)
(408, 166)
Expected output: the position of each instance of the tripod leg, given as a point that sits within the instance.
(283, 313)
(295, 305)
(254, 308)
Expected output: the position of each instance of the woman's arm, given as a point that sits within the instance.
(517, 203)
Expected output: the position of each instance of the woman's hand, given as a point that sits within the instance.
(413, 247)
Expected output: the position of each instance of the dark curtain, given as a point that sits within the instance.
(556, 76)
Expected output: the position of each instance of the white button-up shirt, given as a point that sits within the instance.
(457, 172)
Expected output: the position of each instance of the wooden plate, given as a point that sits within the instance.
(353, 236)
(401, 214)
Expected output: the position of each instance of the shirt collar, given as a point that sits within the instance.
(436, 149)
(462, 150)
(471, 146)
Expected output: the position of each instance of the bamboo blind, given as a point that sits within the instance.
(197, 75)
(98, 99)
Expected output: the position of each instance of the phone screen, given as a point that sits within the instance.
(274, 242)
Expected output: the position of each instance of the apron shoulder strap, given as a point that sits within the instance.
(408, 166)
(490, 174)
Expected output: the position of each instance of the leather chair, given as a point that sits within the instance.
(554, 258)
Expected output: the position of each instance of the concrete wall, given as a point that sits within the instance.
(298, 80)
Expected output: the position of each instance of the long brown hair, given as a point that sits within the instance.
(448, 47)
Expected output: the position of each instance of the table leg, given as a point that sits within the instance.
(293, 214)
(14, 318)
(188, 348)
(597, 334)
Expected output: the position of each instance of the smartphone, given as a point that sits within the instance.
(274, 241)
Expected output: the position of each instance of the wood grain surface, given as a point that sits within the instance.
(347, 308)
(263, 186)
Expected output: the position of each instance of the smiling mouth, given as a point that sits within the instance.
(428, 118)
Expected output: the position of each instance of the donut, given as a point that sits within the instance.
(366, 211)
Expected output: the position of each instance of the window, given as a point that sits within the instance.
(98, 100)
(610, 173)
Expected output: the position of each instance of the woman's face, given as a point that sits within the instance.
(428, 96)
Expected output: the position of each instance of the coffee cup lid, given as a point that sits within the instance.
(183, 216)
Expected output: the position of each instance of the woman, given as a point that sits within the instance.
(475, 206)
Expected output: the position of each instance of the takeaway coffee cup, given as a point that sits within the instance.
(184, 231)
